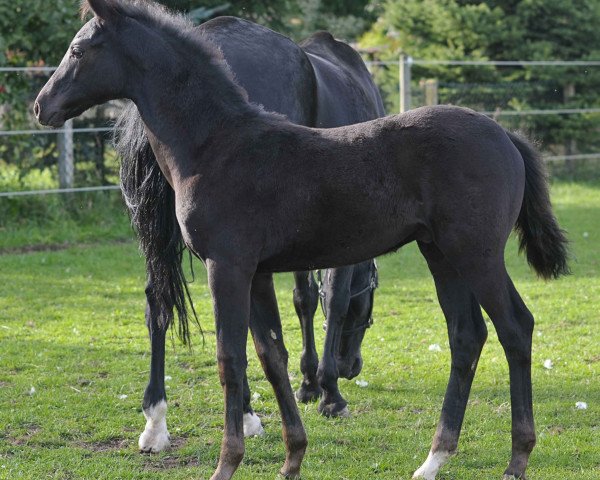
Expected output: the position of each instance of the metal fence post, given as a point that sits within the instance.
(65, 156)
(571, 143)
(404, 73)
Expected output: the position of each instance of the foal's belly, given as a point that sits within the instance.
(329, 251)
(343, 224)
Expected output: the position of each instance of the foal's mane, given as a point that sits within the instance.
(175, 26)
(145, 10)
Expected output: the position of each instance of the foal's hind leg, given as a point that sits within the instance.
(467, 334)
(155, 436)
(265, 326)
(306, 300)
(496, 293)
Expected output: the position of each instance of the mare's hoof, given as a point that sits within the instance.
(510, 476)
(290, 476)
(307, 394)
(339, 410)
(252, 425)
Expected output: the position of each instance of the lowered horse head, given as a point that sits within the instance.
(358, 320)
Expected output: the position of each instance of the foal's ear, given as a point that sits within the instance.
(105, 10)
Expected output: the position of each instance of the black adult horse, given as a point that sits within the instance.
(256, 194)
(322, 83)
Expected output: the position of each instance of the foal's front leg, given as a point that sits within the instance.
(155, 436)
(230, 287)
(268, 340)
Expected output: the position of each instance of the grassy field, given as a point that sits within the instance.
(74, 363)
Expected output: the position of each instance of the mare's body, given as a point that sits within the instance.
(248, 205)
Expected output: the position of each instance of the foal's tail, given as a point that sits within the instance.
(151, 204)
(541, 237)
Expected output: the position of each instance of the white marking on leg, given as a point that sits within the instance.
(252, 425)
(431, 467)
(155, 437)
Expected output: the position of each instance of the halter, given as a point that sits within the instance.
(372, 285)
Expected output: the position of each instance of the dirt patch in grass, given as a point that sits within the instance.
(106, 445)
(31, 428)
(171, 459)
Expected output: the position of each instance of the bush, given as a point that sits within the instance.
(56, 218)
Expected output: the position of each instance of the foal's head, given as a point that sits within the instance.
(93, 70)
(125, 45)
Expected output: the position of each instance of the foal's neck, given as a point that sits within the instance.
(185, 97)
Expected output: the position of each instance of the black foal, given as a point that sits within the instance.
(256, 194)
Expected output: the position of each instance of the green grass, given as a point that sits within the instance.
(71, 326)
(30, 222)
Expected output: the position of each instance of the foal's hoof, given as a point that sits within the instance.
(307, 394)
(507, 476)
(154, 441)
(339, 410)
(155, 437)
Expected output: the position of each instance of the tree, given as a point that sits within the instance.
(501, 30)
(344, 19)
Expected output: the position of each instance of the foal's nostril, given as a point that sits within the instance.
(36, 110)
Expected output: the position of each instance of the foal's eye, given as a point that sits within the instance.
(76, 53)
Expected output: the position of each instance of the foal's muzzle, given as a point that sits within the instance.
(47, 115)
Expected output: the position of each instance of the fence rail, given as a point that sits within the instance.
(27, 69)
(54, 131)
(59, 190)
(497, 63)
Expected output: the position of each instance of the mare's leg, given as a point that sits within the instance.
(265, 325)
(337, 301)
(495, 292)
(252, 425)
(230, 289)
(306, 300)
(155, 436)
(467, 334)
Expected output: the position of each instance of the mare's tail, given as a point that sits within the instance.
(151, 204)
(544, 242)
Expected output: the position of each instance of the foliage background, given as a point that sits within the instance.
(36, 33)
(501, 30)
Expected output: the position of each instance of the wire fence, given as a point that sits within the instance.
(54, 131)
(552, 101)
(409, 94)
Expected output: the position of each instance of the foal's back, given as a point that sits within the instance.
(401, 178)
